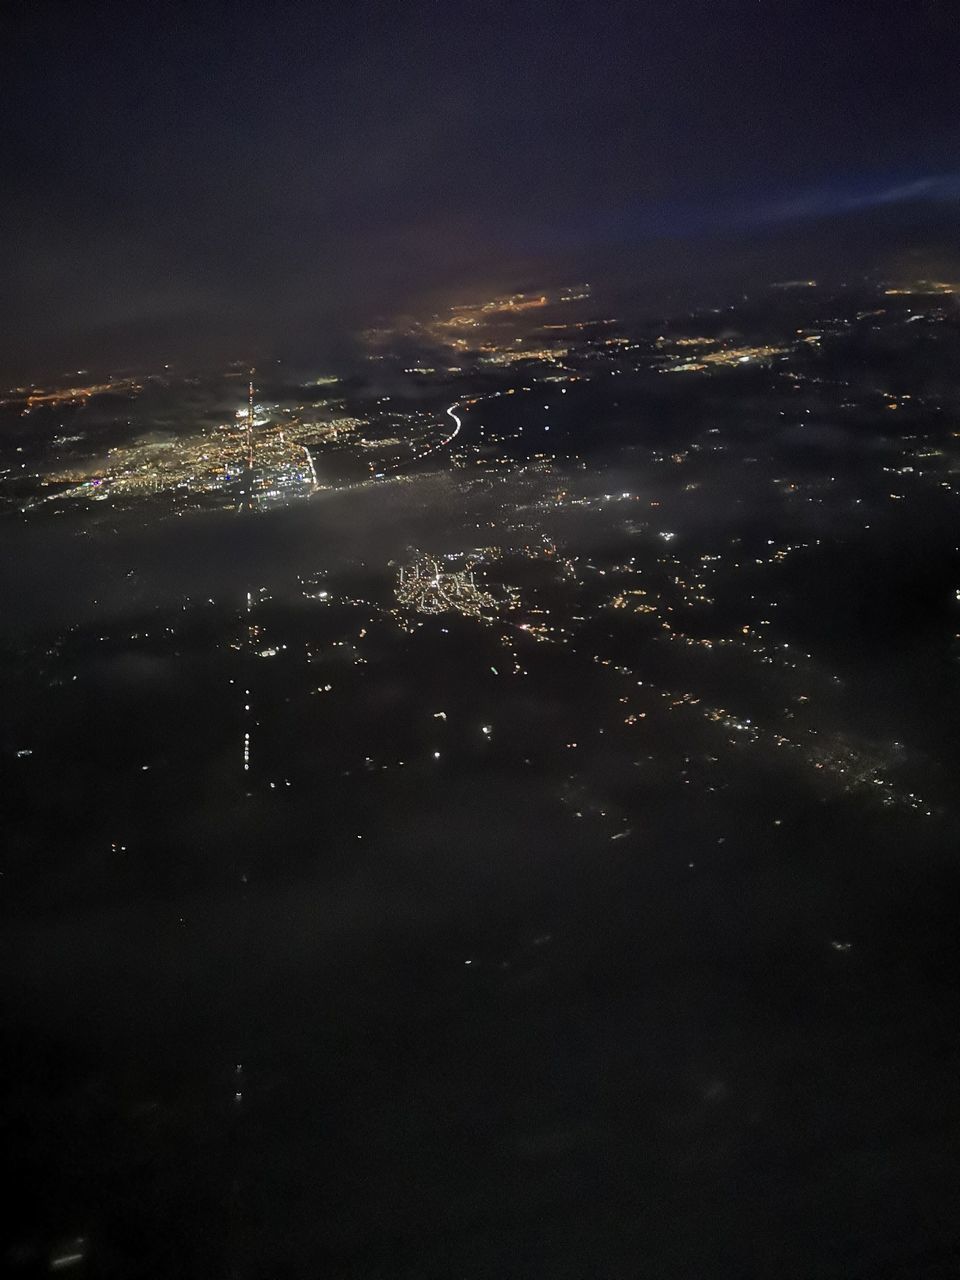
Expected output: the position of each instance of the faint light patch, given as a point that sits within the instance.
(715, 1091)
(70, 1255)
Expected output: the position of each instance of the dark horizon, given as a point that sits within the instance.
(906, 242)
(238, 178)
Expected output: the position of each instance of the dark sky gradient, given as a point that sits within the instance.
(224, 173)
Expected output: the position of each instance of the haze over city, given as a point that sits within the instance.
(479, 489)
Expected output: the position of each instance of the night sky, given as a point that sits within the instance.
(204, 175)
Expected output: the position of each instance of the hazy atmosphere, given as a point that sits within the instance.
(478, 496)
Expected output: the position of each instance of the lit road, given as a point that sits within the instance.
(451, 414)
(313, 470)
(441, 444)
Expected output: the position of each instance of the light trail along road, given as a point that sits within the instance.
(441, 444)
(451, 414)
